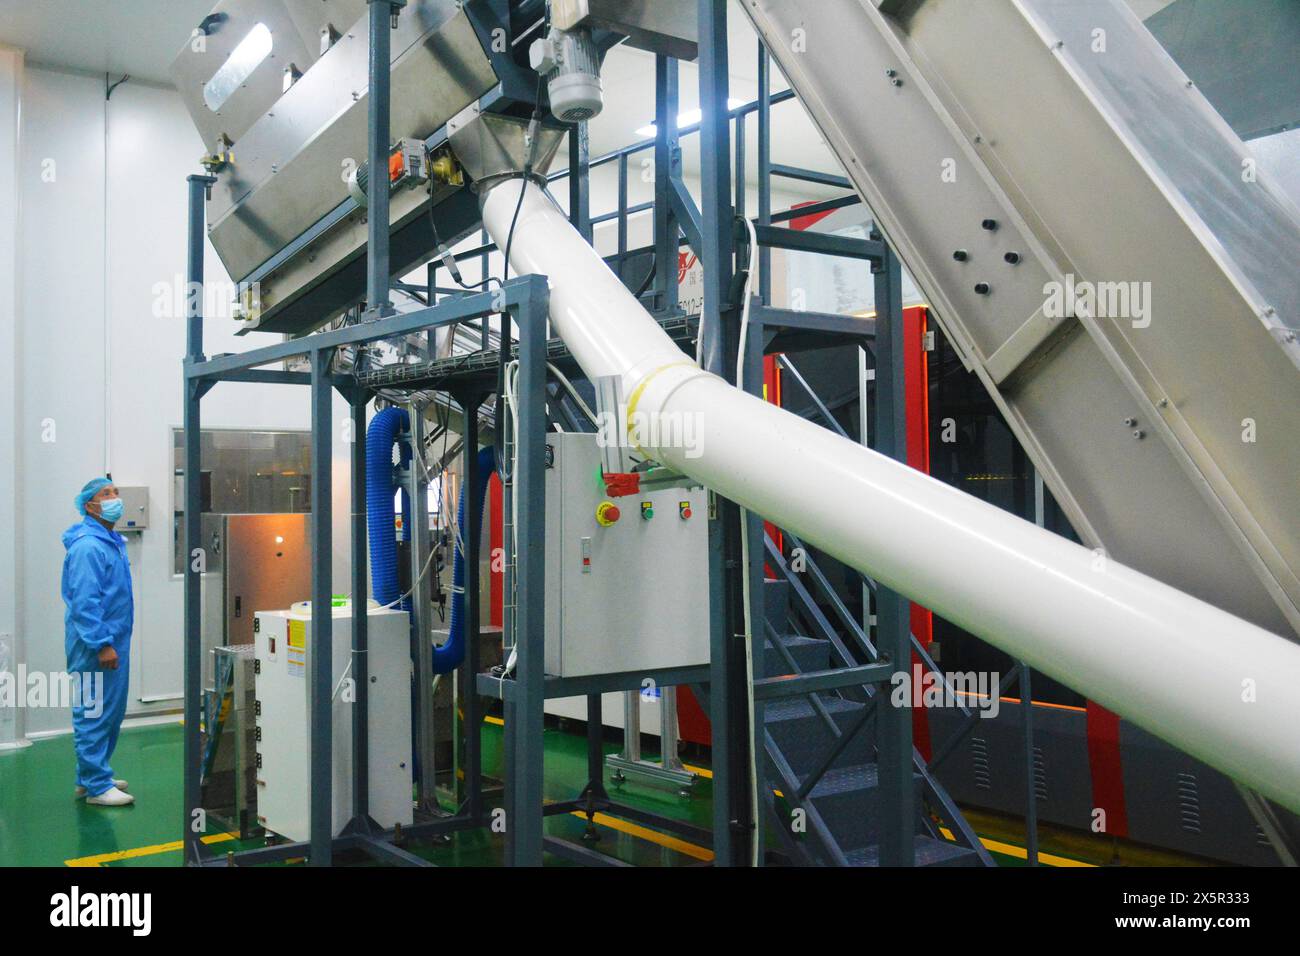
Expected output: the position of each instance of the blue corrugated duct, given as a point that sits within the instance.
(449, 656)
(385, 430)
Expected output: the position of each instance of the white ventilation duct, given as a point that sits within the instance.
(1211, 684)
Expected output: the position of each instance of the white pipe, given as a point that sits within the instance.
(1213, 685)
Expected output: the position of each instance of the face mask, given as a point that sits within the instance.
(110, 509)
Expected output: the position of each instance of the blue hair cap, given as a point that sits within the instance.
(89, 491)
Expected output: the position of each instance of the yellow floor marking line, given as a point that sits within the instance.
(1019, 852)
(700, 853)
(653, 836)
(115, 856)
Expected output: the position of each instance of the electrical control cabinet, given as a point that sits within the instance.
(627, 582)
(135, 508)
(283, 647)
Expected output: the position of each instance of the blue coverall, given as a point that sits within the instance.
(100, 612)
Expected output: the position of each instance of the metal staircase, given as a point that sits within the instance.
(821, 754)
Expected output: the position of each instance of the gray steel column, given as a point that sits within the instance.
(193, 519)
(893, 611)
(595, 745)
(753, 569)
(472, 535)
(728, 710)
(717, 349)
(1027, 709)
(739, 166)
(360, 619)
(764, 168)
(321, 643)
(382, 14)
(667, 232)
(421, 608)
(580, 180)
(529, 719)
(198, 187)
(580, 216)
(622, 215)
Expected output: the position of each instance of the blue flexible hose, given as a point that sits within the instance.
(384, 430)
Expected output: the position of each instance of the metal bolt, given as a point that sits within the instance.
(1139, 434)
(1164, 403)
(960, 255)
(896, 81)
(990, 224)
(891, 73)
(1012, 258)
(982, 288)
(1130, 422)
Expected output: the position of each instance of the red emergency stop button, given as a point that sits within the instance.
(684, 509)
(607, 513)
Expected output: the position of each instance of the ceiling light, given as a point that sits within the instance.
(688, 118)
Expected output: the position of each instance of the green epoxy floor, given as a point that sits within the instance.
(42, 824)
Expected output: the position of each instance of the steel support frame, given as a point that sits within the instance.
(893, 611)
(710, 232)
(593, 798)
(525, 300)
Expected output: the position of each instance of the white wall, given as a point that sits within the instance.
(96, 378)
(98, 373)
(11, 71)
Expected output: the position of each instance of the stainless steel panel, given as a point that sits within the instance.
(337, 247)
(256, 562)
(291, 163)
(294, 27)
(660, 26)
(489, 144)
(1108, 168)
(1237, 53)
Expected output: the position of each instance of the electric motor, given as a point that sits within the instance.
(569, 61)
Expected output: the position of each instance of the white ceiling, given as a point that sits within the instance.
(142, 37)
(136, 37)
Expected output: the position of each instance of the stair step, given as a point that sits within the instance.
(776, 600)
(848, 800)
(929, 852)
(803, 736)
(809, 654)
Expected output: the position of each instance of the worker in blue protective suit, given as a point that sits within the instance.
(97, 638)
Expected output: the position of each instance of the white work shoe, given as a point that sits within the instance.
(112, 797)
(120, 784)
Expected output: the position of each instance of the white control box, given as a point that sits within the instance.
(626, 595)
(282, 641)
